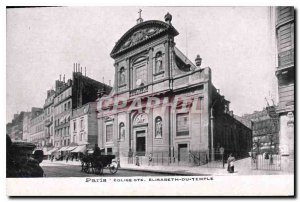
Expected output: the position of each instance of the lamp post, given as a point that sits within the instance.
(118, 159)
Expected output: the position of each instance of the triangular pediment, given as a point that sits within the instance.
(140, 34)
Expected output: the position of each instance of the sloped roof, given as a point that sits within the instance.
(182, 61)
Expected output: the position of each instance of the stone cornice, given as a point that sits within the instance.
(161, 28)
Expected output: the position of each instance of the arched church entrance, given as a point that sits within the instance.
(140, 131)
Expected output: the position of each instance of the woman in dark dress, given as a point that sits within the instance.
(230, 162)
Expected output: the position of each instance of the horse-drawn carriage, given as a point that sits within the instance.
(96, 164)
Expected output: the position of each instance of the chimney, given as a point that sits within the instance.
(98, 93)
(69, 82)
(64, 78)
(73, 67)
(80, 69)
(60, 77)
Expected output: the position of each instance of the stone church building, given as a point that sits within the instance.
(164, 105)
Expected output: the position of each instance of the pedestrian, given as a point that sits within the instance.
(150, 159)
(97, 151)
(67, 158)
(271, 159)
(230, 162)
(137, 160)
(72, 157)
(52, 157)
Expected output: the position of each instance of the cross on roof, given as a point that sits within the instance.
(140, 13)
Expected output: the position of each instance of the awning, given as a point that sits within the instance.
(80, 148)
(52, 151)
(71, 148)
(63, 149)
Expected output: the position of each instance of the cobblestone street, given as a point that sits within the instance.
(60, 170)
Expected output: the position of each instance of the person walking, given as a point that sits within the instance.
(149, 159)
(271, 159)
(97, 151)
(137, 160)
(230, 162)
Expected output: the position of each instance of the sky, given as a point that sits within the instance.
(237, 43)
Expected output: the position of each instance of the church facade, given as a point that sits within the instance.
(162, 104)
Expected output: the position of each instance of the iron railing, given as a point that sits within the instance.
(194, 158)
(266, 162)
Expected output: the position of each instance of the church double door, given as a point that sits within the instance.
(141, 142)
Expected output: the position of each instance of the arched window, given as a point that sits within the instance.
(158, 127)
(140, 71)
(122, 131)
(122, 76)
(158, 63)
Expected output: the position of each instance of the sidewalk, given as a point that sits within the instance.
(242, 167)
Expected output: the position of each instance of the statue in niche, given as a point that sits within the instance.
(122, 75)
(158, 127)
(158, 63)
(122, 131)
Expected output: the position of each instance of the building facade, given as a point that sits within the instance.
(62, 112)
(15, 128)
(285, 72)
(37, 130)
(265, 129)
(28, 116)
(26, 126)
(70, 95)
(49, 118)
(161, 103)
(84, 126)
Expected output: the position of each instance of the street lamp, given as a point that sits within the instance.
(118, 160)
